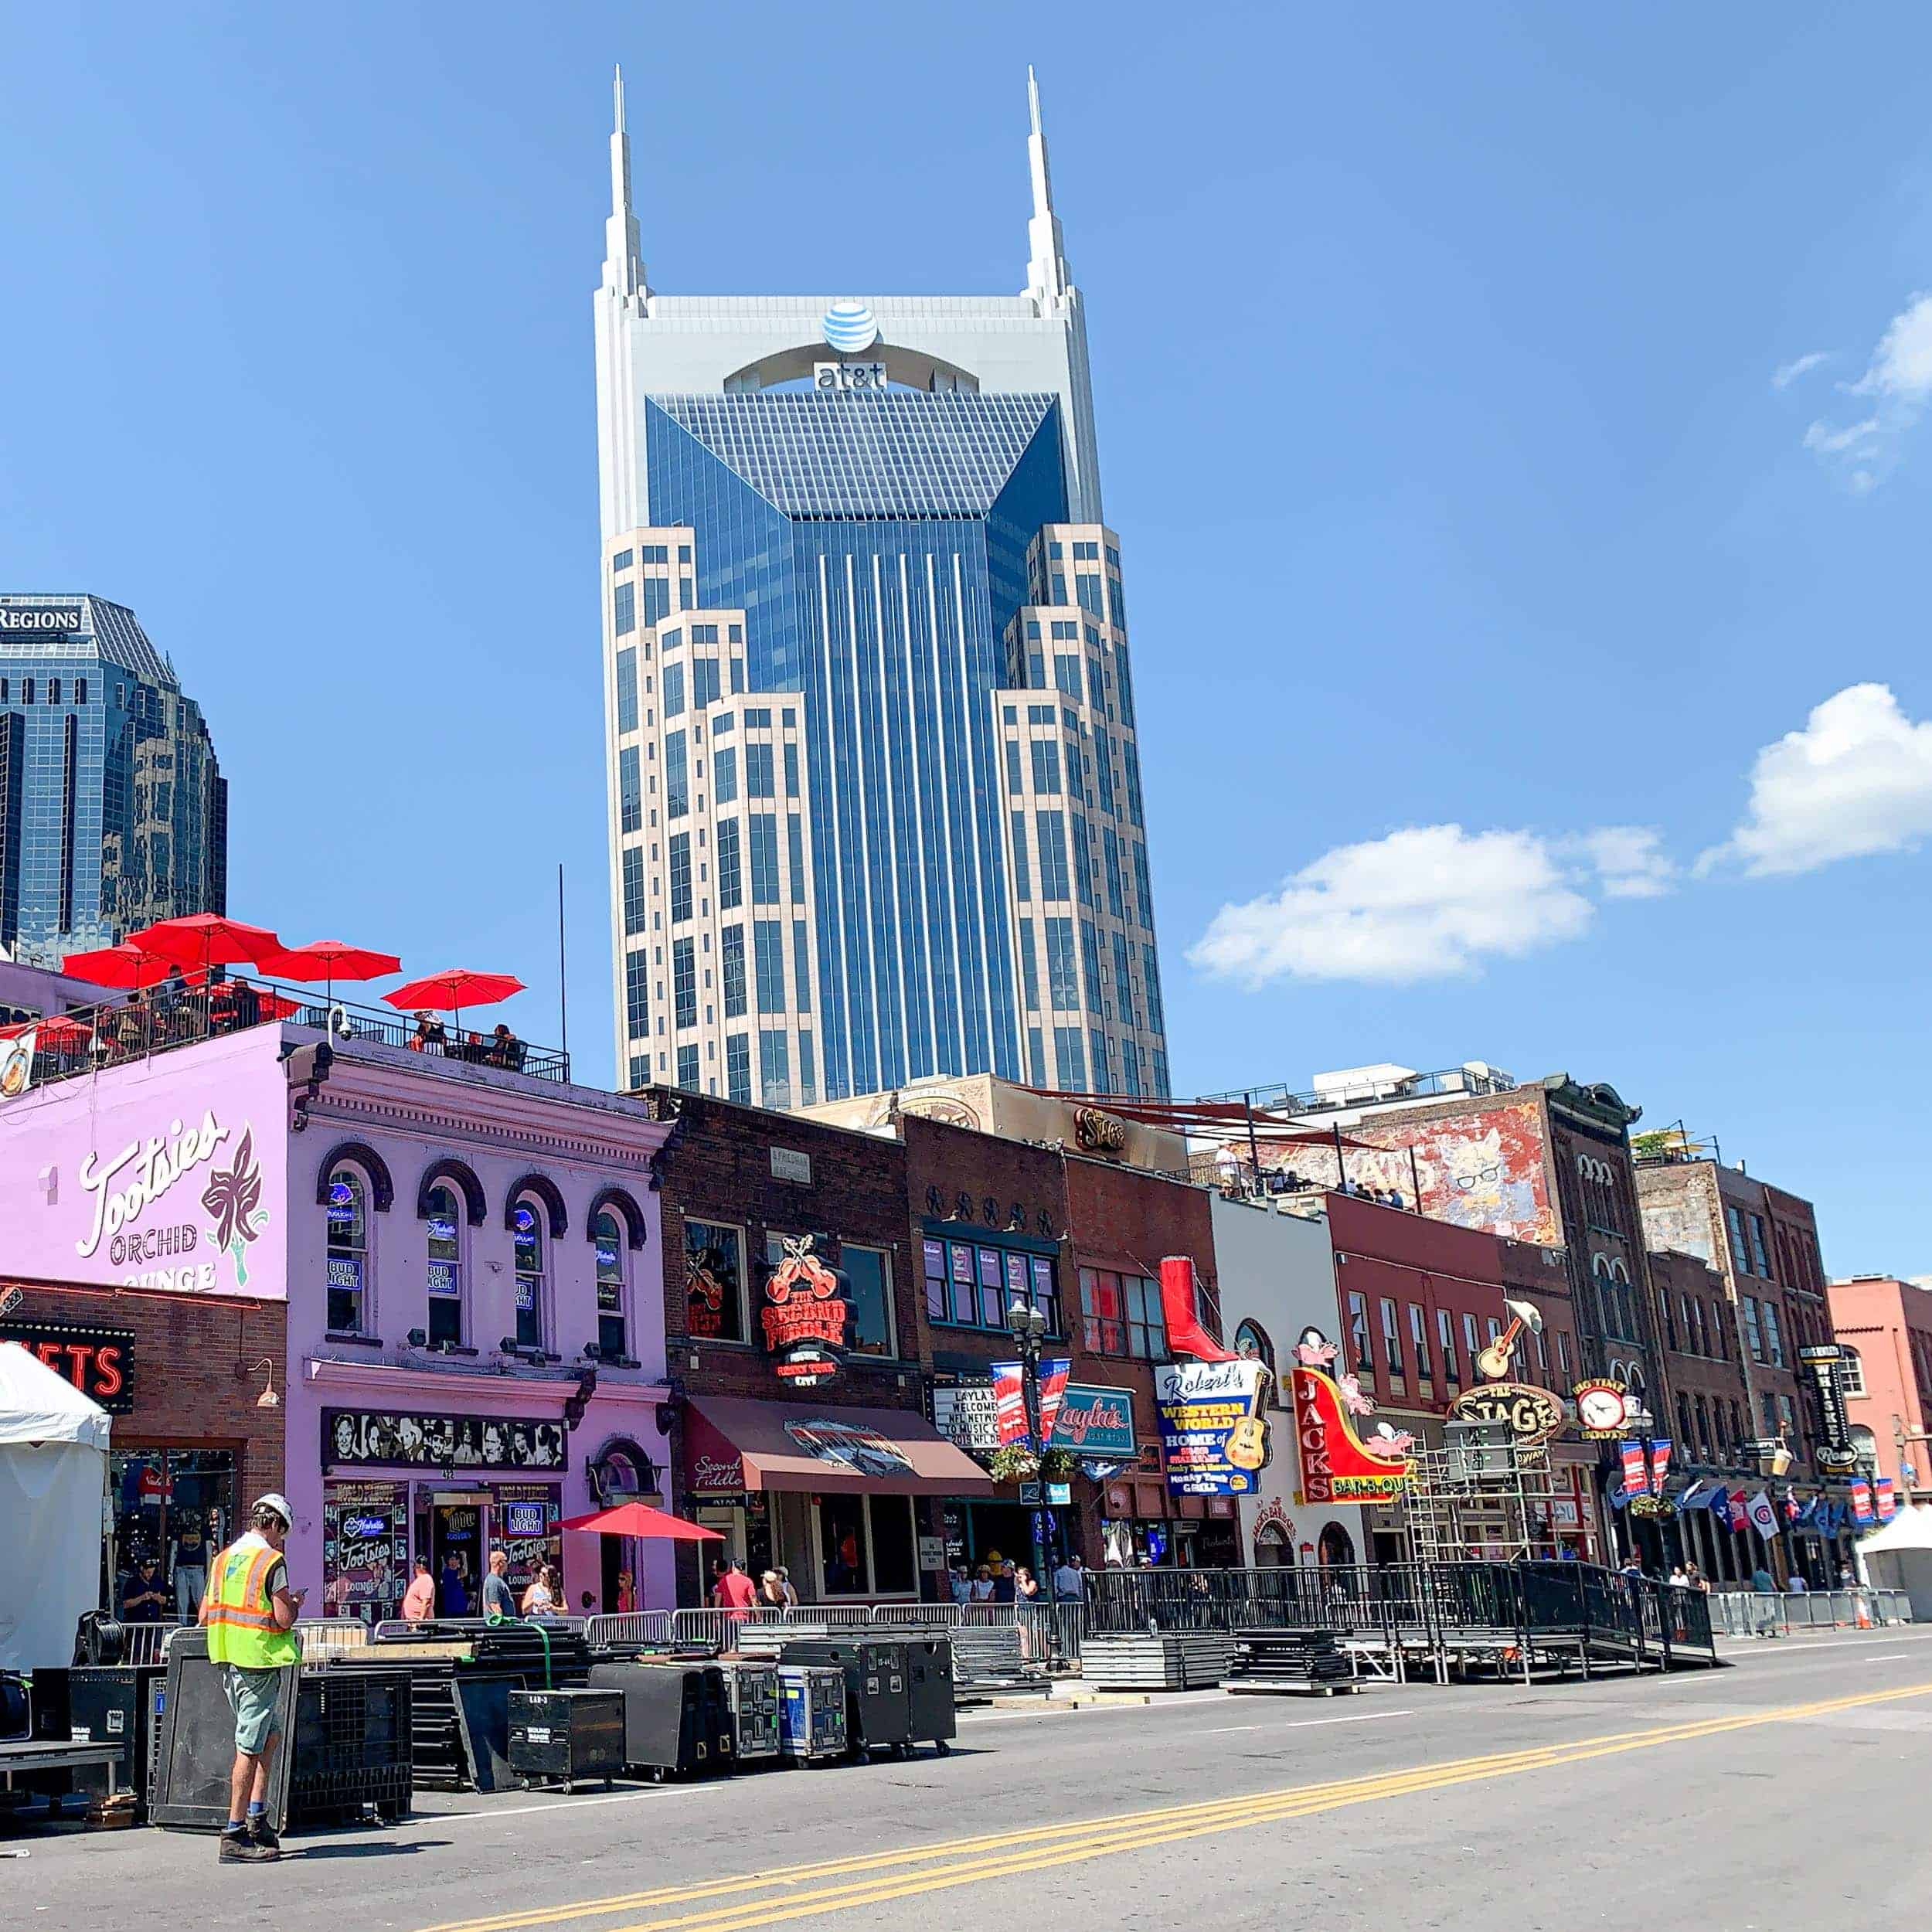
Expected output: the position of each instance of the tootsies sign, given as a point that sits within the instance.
(99, 1362)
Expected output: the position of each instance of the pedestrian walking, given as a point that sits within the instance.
(788, 1586)
(249, 1612)
(499, 1602)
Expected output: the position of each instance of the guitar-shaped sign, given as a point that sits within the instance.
(1247, 1446)
(1492, 1363)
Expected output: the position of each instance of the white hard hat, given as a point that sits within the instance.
(279, 1503)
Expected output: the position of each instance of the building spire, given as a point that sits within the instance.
(1047, 279)
(623, 264)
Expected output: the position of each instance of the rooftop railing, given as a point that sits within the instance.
(162, 1019)
(1280, 1098)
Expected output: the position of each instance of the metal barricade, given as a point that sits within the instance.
(937, 1616)
(643, 1629)
(146, 1643)
(323, 1638)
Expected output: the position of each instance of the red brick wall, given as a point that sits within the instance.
(194, 1381)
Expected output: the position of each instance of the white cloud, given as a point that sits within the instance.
(1897, 384)
(1787, 373)
(1857, 780)
(1630, 861)
(1424, 903)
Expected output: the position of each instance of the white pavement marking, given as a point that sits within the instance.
(1305, 1723)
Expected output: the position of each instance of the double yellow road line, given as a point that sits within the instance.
(839, 1885)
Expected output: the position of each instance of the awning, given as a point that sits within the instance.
(732, 1444)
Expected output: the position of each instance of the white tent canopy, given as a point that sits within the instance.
(1899, 1557)
(53, 1475)
(1909, 1530)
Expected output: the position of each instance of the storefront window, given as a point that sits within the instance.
(971, 1285)
(714, 1262)
(608, 1239)
(445, 1240)
(867, 1546)
(348, 1251)
(1122, 1315)
(868, 1272)
(177, 1506)
(527, 1233)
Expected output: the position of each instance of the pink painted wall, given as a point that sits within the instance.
(182, 1172)
(167, 1172)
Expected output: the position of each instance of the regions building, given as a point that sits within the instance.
(874, 793)
(113, 812)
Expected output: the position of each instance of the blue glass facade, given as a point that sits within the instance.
(113, 810)
(877, 545)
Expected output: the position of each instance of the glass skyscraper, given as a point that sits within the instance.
(874, 787)
(113, 812)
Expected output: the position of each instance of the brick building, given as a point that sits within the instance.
(834, 1477)
(1887, 1324)
(183, 1376)
(1763, 1243)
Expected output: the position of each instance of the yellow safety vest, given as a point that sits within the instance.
(240, 1613)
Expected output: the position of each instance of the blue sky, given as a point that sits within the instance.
(1438, 356)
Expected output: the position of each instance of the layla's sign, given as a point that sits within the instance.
(1213, 1438)
(1094, 1421)
(806, 1320)
(1531, 1415)
(1337, 1466)
(99, 1362)
(372, 1436)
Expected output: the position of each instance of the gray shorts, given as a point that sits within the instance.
(254, 1696)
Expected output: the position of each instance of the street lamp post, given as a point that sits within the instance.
(1027, 1327)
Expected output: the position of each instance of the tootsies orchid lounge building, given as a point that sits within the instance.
(469, 1262)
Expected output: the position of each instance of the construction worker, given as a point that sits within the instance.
(249, 1612)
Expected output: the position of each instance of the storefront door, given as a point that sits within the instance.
(457, 1546)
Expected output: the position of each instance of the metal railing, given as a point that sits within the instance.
(321, 1637)
(646, 1629)
(1747, 1613)
(165, 1017)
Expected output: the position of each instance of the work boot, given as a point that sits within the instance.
(237, 1848)
(262, 1833)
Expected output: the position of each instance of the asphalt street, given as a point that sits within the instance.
(1785, 1790)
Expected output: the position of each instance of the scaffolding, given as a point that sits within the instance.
(1484, 1494)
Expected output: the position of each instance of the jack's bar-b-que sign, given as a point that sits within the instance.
(373, 1437)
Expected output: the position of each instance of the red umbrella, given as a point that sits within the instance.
(206, 940)
(328, 960)
(639, 1519)
(62, 1030)
(454, 988)
(125, 966)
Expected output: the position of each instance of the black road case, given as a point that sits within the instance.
(557, 1736)
(114, 1705)
(811, 1711)
(878, 1698)
(677, 1716)
(934, 1715)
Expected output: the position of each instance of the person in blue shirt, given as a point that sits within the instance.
(453, 1587)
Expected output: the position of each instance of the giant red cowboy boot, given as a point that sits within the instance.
(1185, 1334)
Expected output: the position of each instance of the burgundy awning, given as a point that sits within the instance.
(790, 1445)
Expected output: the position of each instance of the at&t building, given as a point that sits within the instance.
(875, 790)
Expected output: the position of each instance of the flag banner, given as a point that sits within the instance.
(1009, 1403)
(1788, 1502)
(1888, 1506)
(1807, 1516)
(1740, 1511)
(1659, 1463)
(1697, 1496)
(1053, 1387)
(1636, 1478)
(1764, 1516)
(1862, 1502)
(1619, 1496)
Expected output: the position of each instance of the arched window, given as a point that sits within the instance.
(1251, 1343)
(443, 1226)
(1272, 1548)
(1607, 1311)
(351, 1298)
(533, 1284)
(1851, 1373)
(607, 1238)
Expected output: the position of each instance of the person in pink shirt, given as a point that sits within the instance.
(419, 1601)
